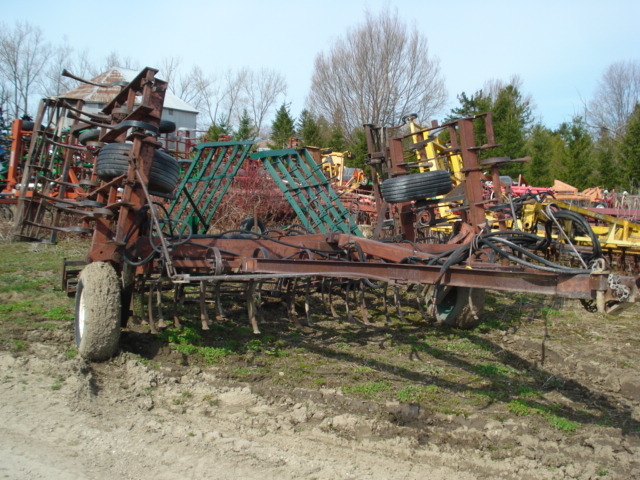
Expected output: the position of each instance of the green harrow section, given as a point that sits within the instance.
(209, 176)
(215, 165)
(308, 191)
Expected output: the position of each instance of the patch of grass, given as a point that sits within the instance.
(369, 390)
(71, 353)
(213, 355)
(57, 384)
(492, 370)
(59, 313)
(411, 394)
(523, 408)
(17, 345)
(562, 423)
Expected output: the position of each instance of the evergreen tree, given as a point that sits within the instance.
(610, 174)
(282, 128)
(577, 155)
(309, 130)
(337, 141)
(245, 128)
(630, 149)
(358, 147)
(511, 123)
(219, 129)
(539, 148)
(511, 115)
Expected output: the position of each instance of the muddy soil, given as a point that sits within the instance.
(134, 418)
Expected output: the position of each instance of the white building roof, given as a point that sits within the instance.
(103, 95)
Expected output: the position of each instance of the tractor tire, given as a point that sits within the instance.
(166, 126)
(87, 136)
(459, 307)
(417, 186)
(113, 161)
(98, 310)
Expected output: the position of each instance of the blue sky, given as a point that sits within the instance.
(560, 49)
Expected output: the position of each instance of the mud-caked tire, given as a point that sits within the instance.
(416, 186)
(459, 307)
(98, 312)
(113, 161)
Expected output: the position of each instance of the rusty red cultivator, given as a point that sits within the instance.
(154, 228)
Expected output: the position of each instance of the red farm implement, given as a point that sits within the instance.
(158, 224)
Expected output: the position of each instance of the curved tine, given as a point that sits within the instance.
(419, 297)
(258, 297)
(396, 299)
(205, 321)
(334, 314)
(290, 296)
(363, 304)
(346, 302)
(385, 303)
(155, 286)
(152, 323)
(178, 299)
(307, 302)
(323, 292)
(251, 305)
(220, 315)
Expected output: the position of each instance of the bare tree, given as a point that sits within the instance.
(262, 90)
(235, 84)
(23, 56)
(493, 87)
(52, 82)
(115, 60)
(378, 73)
(616, 96)
(169, 68)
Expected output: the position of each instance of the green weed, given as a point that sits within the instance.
(369, 390)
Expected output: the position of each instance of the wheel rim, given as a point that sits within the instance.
(81, 315)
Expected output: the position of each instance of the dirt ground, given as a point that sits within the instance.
(538, 391)
(131, 418)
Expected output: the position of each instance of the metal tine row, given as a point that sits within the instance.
(352, 294)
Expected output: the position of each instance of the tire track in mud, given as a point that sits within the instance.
(65, 418)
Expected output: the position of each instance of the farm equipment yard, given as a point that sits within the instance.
(432, 311)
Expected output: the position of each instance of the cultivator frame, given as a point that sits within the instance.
(148, 243)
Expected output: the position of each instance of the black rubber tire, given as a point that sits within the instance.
(113, 161)
(459, 307)
(166, 126)
(98, 310)
(416, 186)
(89, 136)
(249, 223)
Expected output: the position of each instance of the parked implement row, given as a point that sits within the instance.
(153, 223)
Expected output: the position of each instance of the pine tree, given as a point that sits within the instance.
(245, 128)
(309, 130)
(337, 141)
(576, 157)
(358, 148)
(539, 148)
(630, 149)
(282, 128)
(219, 129)
(511, 115)
(610, 173)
